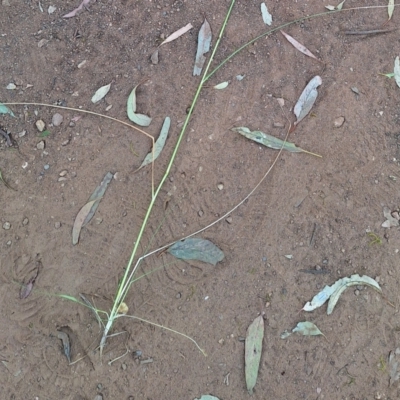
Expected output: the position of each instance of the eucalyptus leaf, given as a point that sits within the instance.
(79, 220)
(207, 397)
(221, 85)
(5, 110)
(197, 249)
(332, 293)
(390, 8)
(97, 195)
(393, 366)
(159, 144)
(253, 349)
(100, 93)
(267, 17)
(203, 47)
(307, 98)
(307, 328)
(396, 71)
(139, 119)
(270, 141)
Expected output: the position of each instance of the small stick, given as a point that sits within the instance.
(372, 32)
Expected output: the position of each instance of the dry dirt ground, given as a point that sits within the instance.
(318, 210)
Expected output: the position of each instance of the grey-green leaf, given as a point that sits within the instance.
(139, 119)
(100, 93)
(159, 144)
(396, 71)
(203, 47)
(307, 329)
(5, 110)
(197, 249)
(253, 349)
(267, 17)
(97, 195)
(268, 140)
(221, 85)
(207, 397)
(307, 98)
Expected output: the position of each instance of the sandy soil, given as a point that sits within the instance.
(318, 210)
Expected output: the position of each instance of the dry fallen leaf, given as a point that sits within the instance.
(307, 99)
(100, 93)
(390, 8)
(177, 34)
(393, 366)
(253, 349)
(80, 219)
(203, 46)
(79, 8)
(299, 46)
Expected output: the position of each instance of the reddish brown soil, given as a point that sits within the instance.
(317, 210)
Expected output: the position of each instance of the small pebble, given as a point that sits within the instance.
(11, 86)
(339, 121)
(229, 220)
(63, 173)
(46, 166)
(356, 292)
(278, 125)
(40, 145)
(178, 295)
(57, 119)
(22, 134)
(99, 221)
(220, 186)
(25, 221)
(201, 213)
(123, 366)
(65, 142)
(9, 243)
(264, 259)
(62, 179)
(40, 125)
(57, 225)
(99, 386)
(6, 226)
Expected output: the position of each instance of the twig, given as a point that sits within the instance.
(373, 32)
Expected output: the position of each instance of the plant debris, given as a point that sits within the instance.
(393, 366)
(100, 93)
(203, 47)
(221, 85)
(299, 46)
(307, 98)
(27, 288)
(84, 3)
(390, 9)
(270, 141)
(177, 33)
(66, 344)
(266, 16)
(5, 110)
(7, 185)
(332, 293)
(87, 211)
(252, 353)
(305, 328)
(139, 119)
(390, 219)
(396, 71)
(159, 144)
(197, 249)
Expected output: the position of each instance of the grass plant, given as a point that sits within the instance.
(105, 319)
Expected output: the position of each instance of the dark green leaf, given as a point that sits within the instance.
(197, 249)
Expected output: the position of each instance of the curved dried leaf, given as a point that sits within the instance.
(307, 328)
(139, 119)
(298, 45)
(97, 195)
(332, 293)
(79, 8)
(221, 85)
(80, 219)
(307, 98)
(252, 353)
(267, 17)
(177, 34)
(5, 110)
(100, 93)
(197, 249)
(354, 280)
(159, 144)
(396, 71)
(203, 47)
